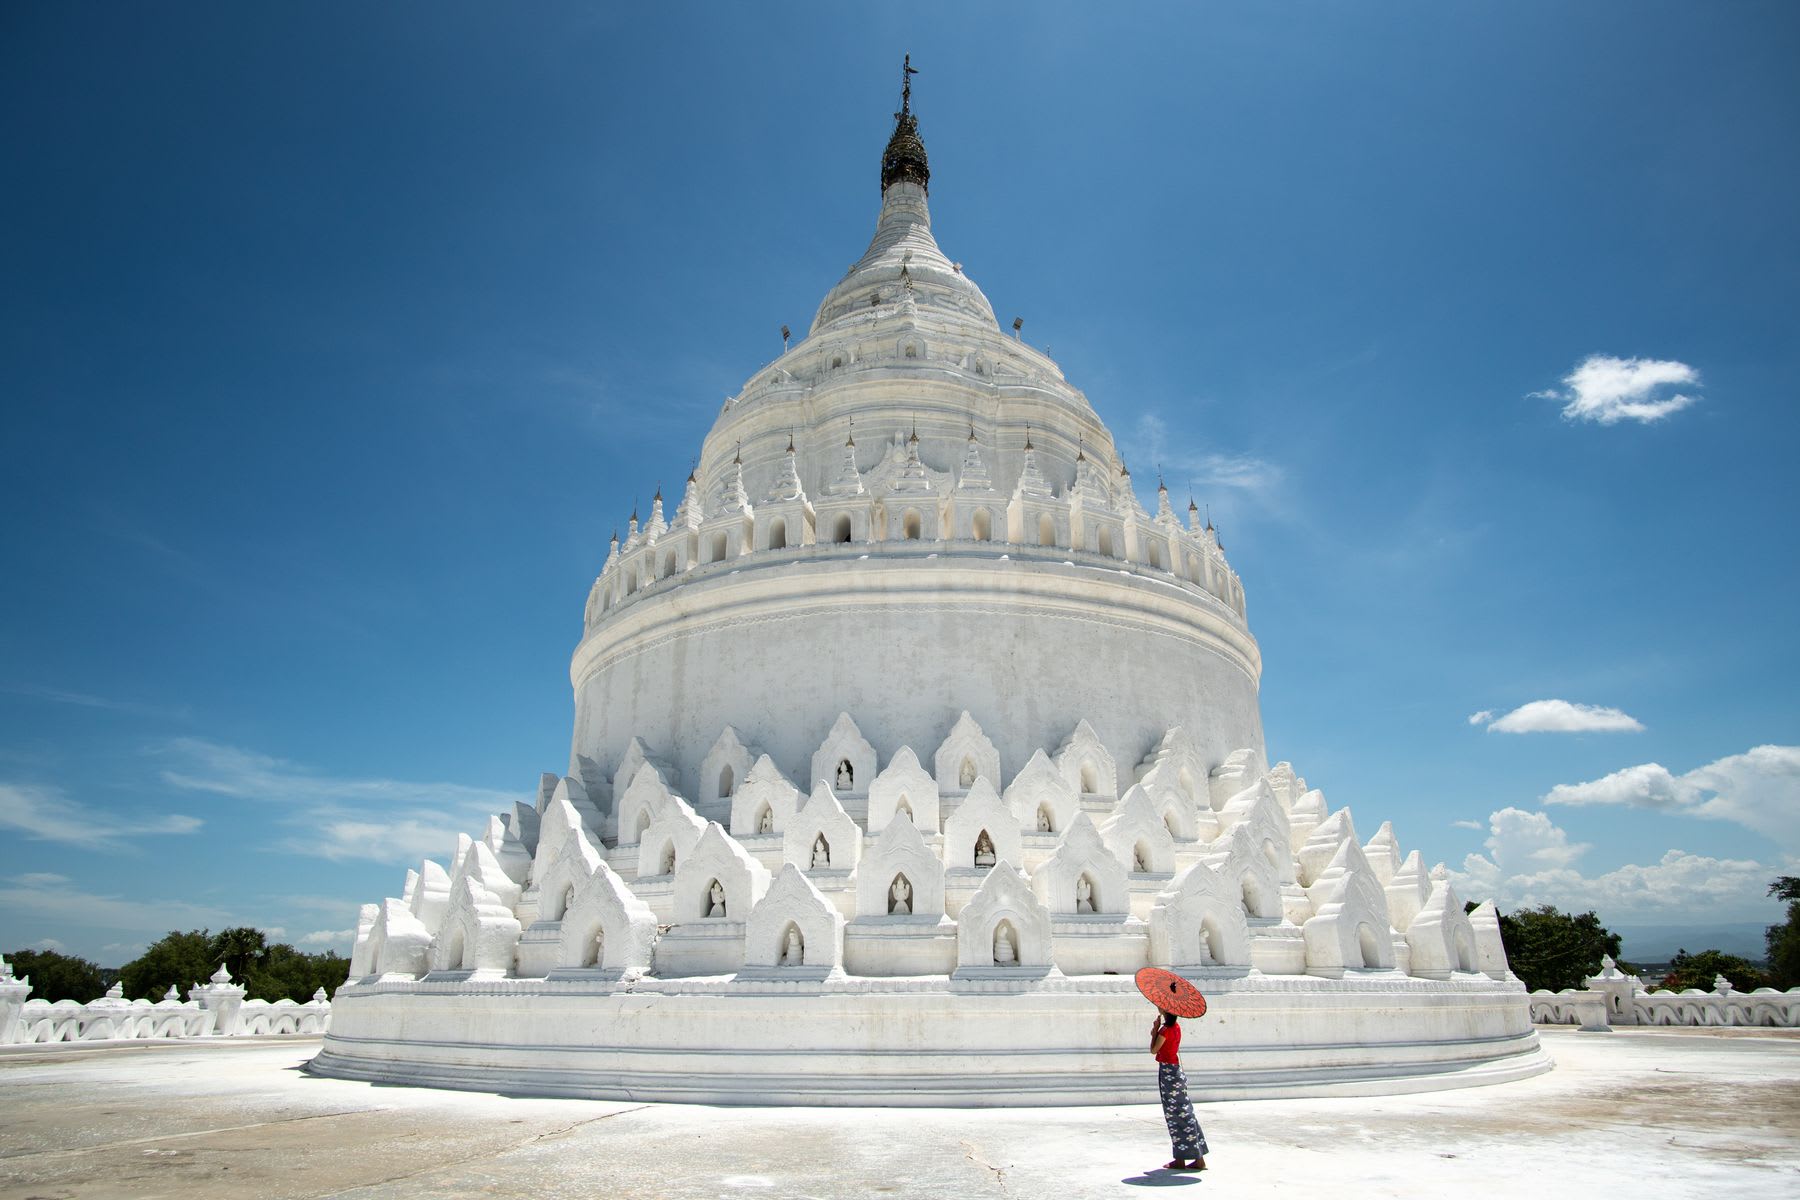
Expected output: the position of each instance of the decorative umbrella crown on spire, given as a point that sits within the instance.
(904, 158)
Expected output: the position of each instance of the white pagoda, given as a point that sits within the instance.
(899, 745)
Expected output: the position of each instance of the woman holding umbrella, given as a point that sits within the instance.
(1175, 997)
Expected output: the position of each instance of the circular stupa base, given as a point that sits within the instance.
(930, 1041)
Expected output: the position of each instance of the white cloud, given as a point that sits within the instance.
(38, 879)
(328, 937)
(1530, 861)
(67, 905)
(48, 944)
(1558, 716)
(1204, 471)
(387, 820)
(1607, 390)
(1759, 789)
(1477, 826)
(87, 700)
(46, 814)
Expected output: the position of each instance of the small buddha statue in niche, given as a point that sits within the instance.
(766, 822)
(846, 775)
(717, 896)
(900, 897)
(1043, 820)
(1137, 862)
(793, 954)
(984, 850)
(966, 777)
(1084, 895)
(668, 866)
(821, 855)
(1004, 955)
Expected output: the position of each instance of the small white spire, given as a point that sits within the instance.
(849, 481)
(1031, 480)
(974, 477)
(787, 485)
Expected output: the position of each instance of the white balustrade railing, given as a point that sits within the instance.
(1613, 998)
(216, 1008)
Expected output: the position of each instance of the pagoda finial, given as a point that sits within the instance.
(904, 158)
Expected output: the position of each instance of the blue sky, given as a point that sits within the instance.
(335, 341)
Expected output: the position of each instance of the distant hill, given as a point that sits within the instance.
(1658, 943)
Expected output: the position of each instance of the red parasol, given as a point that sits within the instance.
(1171, 993)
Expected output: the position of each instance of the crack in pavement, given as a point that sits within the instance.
(999, 1172)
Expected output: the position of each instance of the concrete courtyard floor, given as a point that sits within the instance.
(1662, 1113)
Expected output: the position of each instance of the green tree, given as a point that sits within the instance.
(1555, 950)
(1784, 939)
(175, 959)
(287, 973)
(241, 949)
(1699, 970)
(58, 976)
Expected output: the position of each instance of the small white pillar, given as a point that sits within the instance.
(1590, 1008)
(13, 994)
(224, 999)
(1619, 990)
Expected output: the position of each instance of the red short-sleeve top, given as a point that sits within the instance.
(1171, 1046)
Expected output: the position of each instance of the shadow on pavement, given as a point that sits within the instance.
(1161, 1177)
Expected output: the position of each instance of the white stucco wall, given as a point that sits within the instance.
(779, 646)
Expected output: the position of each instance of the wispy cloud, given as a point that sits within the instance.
(386, 820)
(66, 904)
(1205, 471)
(1477, 826)
(328, 937)
(1530, 861)
(1558, 716)
(86, 700)
(1759, 789)
(1607, 390)
(46, 814)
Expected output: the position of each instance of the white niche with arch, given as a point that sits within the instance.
(716, 886)
(607, 931)
(903, 787)
(981, 832)
(900, 926)
(1003, 931)
(966, 755)
(794, 931)
(845, 760)
(764, 803)
(1198, 925)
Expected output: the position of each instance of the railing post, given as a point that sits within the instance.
(224, 999)
(1619, 989)
(13, 994)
